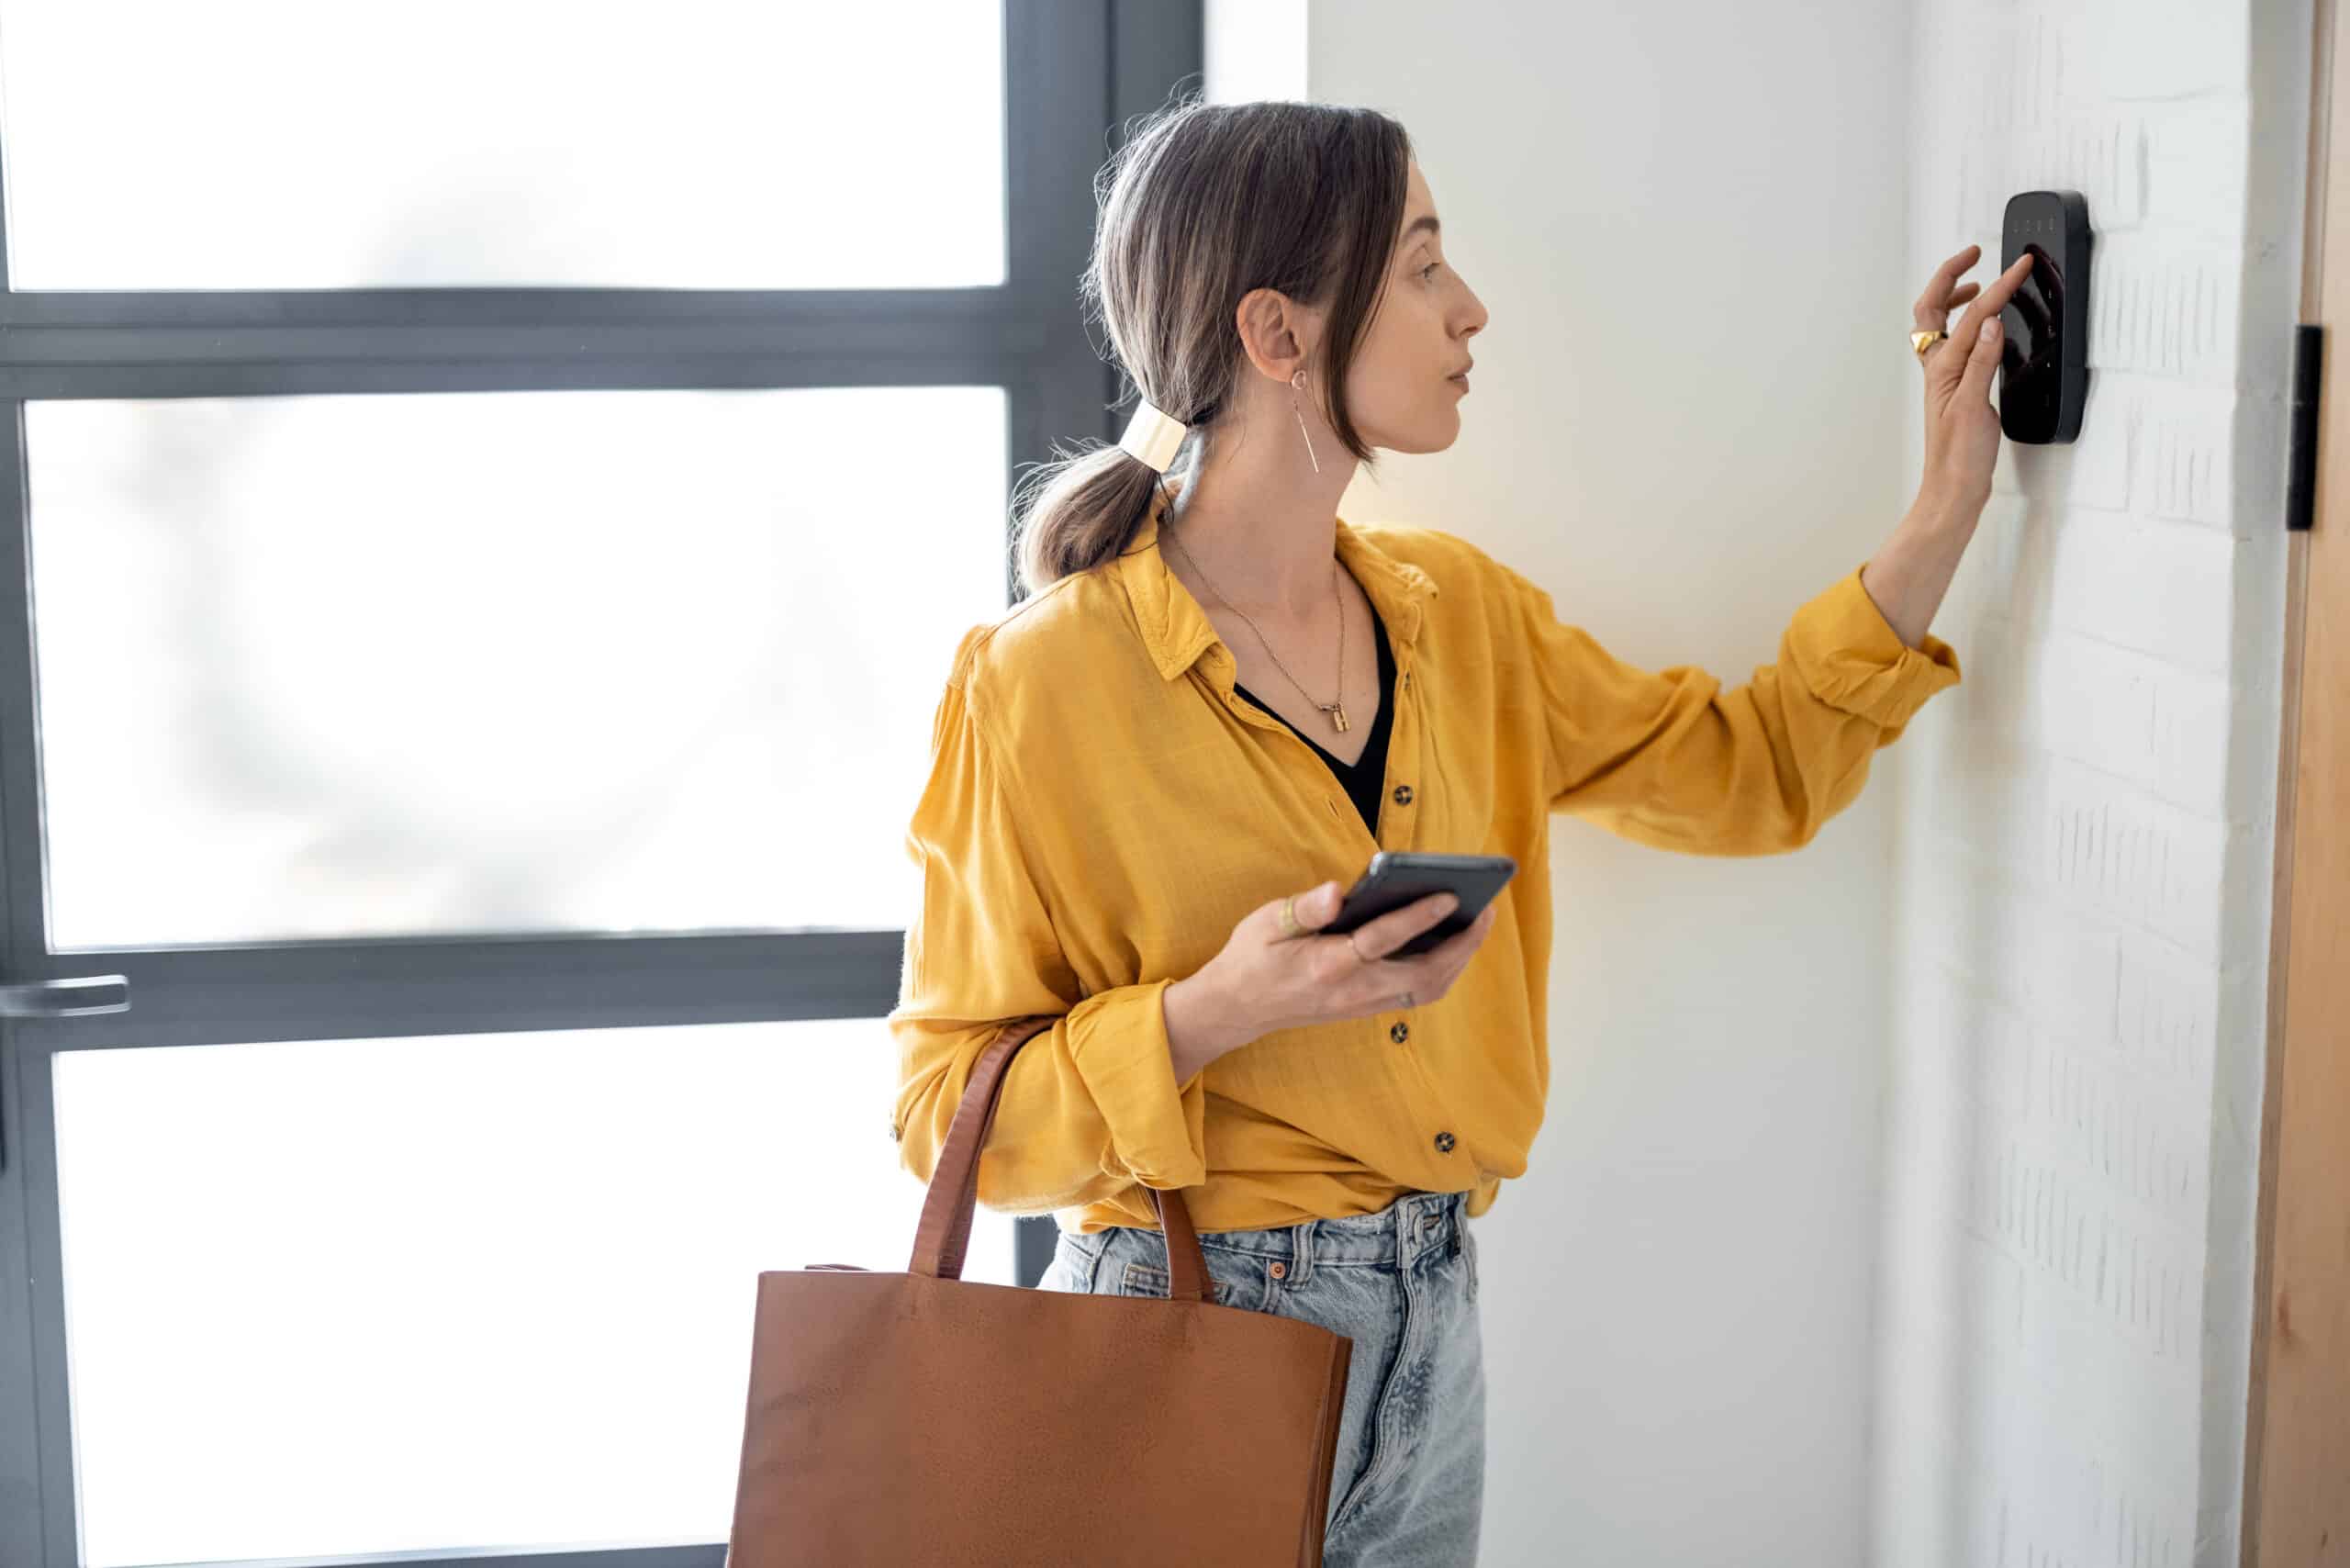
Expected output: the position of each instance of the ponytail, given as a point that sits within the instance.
(1079, 512)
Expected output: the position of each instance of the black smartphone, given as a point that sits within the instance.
(1404, 876)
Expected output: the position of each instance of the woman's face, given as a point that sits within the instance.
(1402, 385)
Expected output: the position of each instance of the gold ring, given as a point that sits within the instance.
(1922, 342)
(1290, 928)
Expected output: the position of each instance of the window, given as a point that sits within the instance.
(496, 491)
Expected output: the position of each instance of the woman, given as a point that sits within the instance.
(1220, 693)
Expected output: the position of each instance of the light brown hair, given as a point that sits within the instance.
(1201, 204)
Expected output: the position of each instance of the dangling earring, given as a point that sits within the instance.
(1295, 382)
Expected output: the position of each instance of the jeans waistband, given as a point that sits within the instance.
(1411, 1226)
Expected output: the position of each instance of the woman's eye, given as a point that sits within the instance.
(1430, 268)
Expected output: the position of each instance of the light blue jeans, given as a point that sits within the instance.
(1408, 1489)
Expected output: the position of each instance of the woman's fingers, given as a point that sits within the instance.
(2034, 314)
(1994, 300)
(1933, 307)
(1444, 962)
(1944, 293)
(1450, 956)
(1424, 975)
(1974, 376)
(1959, 296)
(1358, 988)
(1377, 938)
(1455, 949)
(1939, 360)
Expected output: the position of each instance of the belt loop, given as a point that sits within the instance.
(1421, 1220)
(1301, 1253)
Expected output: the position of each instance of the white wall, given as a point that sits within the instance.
(2088, 837)
(1896, 1197)
(1692, 409)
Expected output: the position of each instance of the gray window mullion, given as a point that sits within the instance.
(964, 326)
(483, 306)
(579, 373)
(366, 988)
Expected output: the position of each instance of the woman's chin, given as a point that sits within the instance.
(1432, 429)
(1438, 433)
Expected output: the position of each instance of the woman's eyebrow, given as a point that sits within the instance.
(1426, 220)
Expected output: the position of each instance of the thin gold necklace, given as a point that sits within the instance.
(1337, 711)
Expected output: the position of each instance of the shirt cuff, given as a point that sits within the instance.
(1158, 1127)
(1854, 661)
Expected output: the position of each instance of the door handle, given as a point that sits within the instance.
(66, 998)
(59, 999)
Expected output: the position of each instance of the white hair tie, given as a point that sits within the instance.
(1153, 437)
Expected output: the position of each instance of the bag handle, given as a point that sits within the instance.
(946, 1230)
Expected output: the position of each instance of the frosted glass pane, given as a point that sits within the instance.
(699, 144)
(485, 1290)
(499, 662)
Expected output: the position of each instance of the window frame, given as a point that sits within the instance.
(1076, 72)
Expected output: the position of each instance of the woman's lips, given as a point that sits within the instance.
(1461, 380)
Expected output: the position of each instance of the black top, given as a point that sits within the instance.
(1369, 775)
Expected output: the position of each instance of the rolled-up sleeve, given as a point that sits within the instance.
(1087, 1109)
(1672, 758)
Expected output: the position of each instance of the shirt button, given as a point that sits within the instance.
(1399, 1032)
(1403, 794)
(896, 1134)
(1408, 680)
(1444, 1143)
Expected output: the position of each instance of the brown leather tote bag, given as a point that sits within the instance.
(918, 1419)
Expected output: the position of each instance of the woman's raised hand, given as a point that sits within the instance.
(1961, 426)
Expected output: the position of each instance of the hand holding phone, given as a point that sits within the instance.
(1413, 924)
(1401, 876)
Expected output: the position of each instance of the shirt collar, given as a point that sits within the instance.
(1178, 630)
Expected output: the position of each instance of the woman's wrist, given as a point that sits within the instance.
(1940, 507)
(1202, 1024)
(1909, 576)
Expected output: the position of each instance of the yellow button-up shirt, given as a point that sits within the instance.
(1102, 809)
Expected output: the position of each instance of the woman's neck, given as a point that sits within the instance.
(1269, 557)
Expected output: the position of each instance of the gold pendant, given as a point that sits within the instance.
(1339, 714)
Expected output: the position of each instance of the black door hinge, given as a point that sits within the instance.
(2301, 471)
